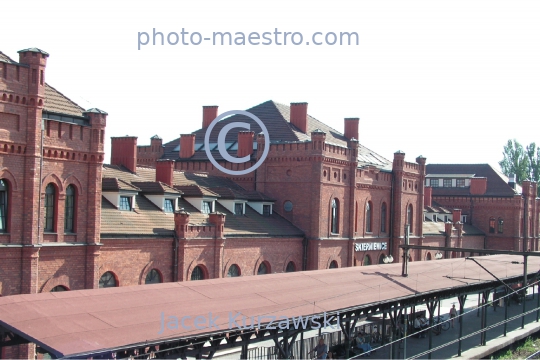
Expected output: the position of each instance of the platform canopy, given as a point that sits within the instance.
(86, 322)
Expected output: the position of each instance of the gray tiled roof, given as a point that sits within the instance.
(497, 184)
(148, 220)
(276, 118)
(57, 102)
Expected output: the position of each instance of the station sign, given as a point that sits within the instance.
(370, 246)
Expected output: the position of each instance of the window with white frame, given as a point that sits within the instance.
(206, 207)
(169, 205)
(238, 209)
(125, 203)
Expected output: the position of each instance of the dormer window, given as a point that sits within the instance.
(207, 207)
(125, 203)
(169, 205)
(239, 209)
(267, 210)
(460, 182)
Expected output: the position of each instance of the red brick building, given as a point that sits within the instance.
(163, 212)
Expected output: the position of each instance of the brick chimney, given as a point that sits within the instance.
(165, 171)
(428, 195)
(210, 112)
(218, 219)
(299, 116)
(245, 143)
(124, 152)
(187, 146)
(181, 221)
(456, 215)
(351, 128)
(478, 186)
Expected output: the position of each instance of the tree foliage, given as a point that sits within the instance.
(523, 162)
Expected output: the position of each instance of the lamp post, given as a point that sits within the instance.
(405, 268)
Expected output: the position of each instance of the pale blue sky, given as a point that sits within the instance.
(451, 80)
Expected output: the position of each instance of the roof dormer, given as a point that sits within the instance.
(119, 193)
(160, 194)
(232, 200)
(200, 197)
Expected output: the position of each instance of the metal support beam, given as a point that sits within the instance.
(483, 334)
(538, 302)
(524, 290)
(383, 330)
(406, 322)
(431, 304)
(461, 299)
(345, 325)
(506, 305)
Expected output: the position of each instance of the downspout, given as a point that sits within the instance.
(304, 260)
(525, 223)
(352, 211)
(175, 262)
(391, 222)
(40, 180)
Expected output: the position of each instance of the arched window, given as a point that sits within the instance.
(3, 206)
(153, 277)
(50, 208)
(107, 280)
(59, 288)
(381, 259)
(428, 256)
(383, 217)
(369, 219)
(492, 225)
(367, 260)
(197, 274)
(234, 271)
(263, 268)
(333, 265)
(69, 217)
(335, 216)
(290, 267)
(500, 223)
(410, 218)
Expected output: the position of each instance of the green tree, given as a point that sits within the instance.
(533, 154)
(516, 160)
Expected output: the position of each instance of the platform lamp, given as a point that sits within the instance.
(388, 259)
(405, 266)
(438, 255)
